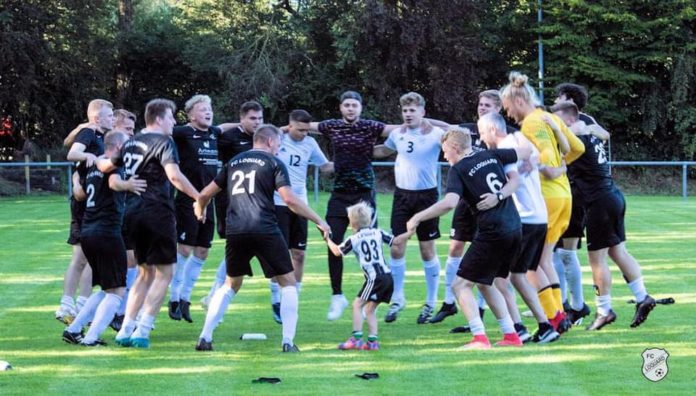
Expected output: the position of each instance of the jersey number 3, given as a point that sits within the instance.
(238, 182)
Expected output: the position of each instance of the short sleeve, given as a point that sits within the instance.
(376, 128)
(86, 136)
(316, 157)
(346, 247)
(221, 178)
(169, 154)
(387, 237)
(325, 127)
(506, 156)
(390, 143)
(280, 173)
(454, 182)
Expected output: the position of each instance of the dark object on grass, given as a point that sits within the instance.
(663, 301)
(367, 376)
(266, 380)
(460, 329)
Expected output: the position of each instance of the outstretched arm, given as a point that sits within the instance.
(180, 181)
(438, 209)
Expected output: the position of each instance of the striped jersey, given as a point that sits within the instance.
(366, 244)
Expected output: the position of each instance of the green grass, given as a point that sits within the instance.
(414, 359)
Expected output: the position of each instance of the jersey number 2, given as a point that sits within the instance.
(90, 196)
(238, 182)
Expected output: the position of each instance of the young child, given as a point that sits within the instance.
(366, 243)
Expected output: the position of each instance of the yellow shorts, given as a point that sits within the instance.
(559, 210)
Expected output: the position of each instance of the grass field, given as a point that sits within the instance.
(415, 359)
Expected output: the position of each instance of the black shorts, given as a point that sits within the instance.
(189, 230)
(463, 223)
(490, 258)
(340, 201)
(533, 238)
(107, 257)
(77, 212)
(576, 226)
(153, 235)
(270, 249)
(377, 290)
(406, 203)
(605, 221)
(293, 227)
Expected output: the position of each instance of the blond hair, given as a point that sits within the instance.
(519, 88)
(459, 137)
(360, 214)
(412, 98)
(493, 95)
(196, 99)
(95, 106)
(123, 114)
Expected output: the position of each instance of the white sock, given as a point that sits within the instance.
(451, 268)
(506, 325)
(275, 292)
(80, 302)
(131, 275)
(86, 313)
(102, 317)
(398, 271)
(67, 303)
(177, 278)
(220, 277)
(191, 273)
(573, 274)
(603, 304)
(218, 305)
(299, 287)
(126, 328)
(288, 312)
(559, 267)
(638, 289)
(476, 326)
(432, 280)
(145, 324)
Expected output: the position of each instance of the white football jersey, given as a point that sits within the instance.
(416, 161)
(297, 156)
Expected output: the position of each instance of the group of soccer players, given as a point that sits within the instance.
(514, 194)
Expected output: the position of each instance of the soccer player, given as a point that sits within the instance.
(124, 121)
(86, 146)
(605, 208)
(520, 103)
(479, 178)
(149, 219)
(366, 243)
(532, 210)
(418, 146)
(565, 256)
(196, 143)
(103, 245)
(250, 180)
(463, 222)
(235, 139)
(353, 140)
(297, 151)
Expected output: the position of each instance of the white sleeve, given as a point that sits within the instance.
(390, 143)
(316, 157)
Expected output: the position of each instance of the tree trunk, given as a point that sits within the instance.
(125, 26)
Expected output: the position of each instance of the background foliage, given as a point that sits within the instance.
(637, 58)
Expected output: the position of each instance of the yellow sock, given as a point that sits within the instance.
(547, 302)
(557, 299)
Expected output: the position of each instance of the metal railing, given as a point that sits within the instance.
(47, 165)
(683, 164)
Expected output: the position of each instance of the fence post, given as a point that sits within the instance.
(27, 182)
(684, 181)
(316, 184)
(69, 181)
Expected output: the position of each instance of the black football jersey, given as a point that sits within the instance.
(145, 155)
(590, 172)
(198, 155)
(480, 173)
(94, 144)
(250, 179)
(233, 142)
(104, 207)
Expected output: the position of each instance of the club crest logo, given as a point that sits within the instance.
(206, 144)
(655, 364)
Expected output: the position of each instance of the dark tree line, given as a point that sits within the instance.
(637, 58)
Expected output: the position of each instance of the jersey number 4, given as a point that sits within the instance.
(238, 186)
